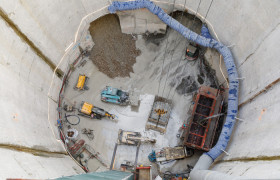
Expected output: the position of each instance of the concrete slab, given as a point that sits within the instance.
(140, 21)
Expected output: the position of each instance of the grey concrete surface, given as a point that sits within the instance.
(16, 164)
(140, 21)
(250, 27)
(145, 79)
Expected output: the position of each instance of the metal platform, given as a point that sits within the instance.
(200, 130)
(159, 115)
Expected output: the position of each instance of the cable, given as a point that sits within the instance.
(165, 50)
(66, 149)
(195, 14)
(208, 11)
(187, 43)
(169, 175)
(176, 46)
(218, 40)
(177, 37)
(177, 68)
(166, 162)
(168, 71)
(220, 55)
(66, 116)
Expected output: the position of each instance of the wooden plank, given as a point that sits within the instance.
(144, 174)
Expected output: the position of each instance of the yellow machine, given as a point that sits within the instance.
(81, 84)
(86, 108)
(93, 112)
(160, 112)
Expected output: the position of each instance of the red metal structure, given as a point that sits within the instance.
(199, 132)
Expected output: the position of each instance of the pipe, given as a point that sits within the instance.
(207, 158)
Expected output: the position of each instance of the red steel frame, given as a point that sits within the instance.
(211, 93)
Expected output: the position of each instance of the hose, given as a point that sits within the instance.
(66, 116)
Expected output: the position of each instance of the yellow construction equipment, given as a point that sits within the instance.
(160, 112)
(86, 108)
(81, 84)
(94, 112)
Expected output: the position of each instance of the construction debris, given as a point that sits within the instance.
(76, 148)
(72, 134)
(127, 165)
(68, 108)
(88, 133)
(179, 175)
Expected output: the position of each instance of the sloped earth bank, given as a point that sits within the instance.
(174, 79)
(114, 53)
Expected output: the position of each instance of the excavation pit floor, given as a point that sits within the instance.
(150, 77)
(114, 53)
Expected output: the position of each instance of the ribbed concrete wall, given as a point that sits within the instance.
(28, 103)
(251, 28)
(252, 31)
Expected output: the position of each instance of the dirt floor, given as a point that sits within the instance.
(114, 53)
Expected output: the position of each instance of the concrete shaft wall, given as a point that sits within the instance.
(250, 27)
(29, 105)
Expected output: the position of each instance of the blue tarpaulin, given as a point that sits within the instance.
(205, 32)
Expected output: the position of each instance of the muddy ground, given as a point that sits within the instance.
(114, 53)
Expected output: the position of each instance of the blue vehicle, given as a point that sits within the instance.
(114, 95)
